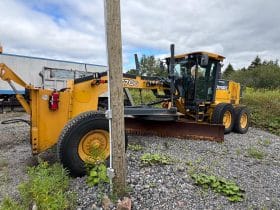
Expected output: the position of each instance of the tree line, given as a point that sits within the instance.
(259, 74)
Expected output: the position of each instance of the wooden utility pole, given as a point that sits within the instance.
(114, 50)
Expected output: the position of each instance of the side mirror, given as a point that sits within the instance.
(204, 60)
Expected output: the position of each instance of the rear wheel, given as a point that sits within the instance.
(242, 120)
(85, 139)
(224, 114)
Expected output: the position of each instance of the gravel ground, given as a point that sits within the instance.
(166, 186)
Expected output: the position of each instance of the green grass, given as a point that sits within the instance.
(3, 163)
(135, 147)
(47, 187)
(265, 142)
(265, 108)
(256, 153)
(147, 96)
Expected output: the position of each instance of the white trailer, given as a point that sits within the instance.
(29, 68)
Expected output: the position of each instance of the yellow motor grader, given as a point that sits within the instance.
(195, 104)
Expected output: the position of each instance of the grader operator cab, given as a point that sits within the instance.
(194, 106)
(196, 90)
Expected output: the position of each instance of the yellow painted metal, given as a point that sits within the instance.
(244, 120)
(230, 95)
(227, 119)
(84, 97)
(46, 125)
(7, 74)
(94, 146)
(24, 103)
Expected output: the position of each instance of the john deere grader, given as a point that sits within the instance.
(194, 103)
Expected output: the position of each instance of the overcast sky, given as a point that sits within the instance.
(74, 30)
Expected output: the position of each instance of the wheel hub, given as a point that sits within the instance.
(94, 146)
(243, 120)
(227, 119)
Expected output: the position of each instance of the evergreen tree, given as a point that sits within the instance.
(228, 71)
(256, 62)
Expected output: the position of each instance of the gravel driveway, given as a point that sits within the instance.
(167, 186)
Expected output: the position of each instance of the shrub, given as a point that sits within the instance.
(261, 77)
(47, 187)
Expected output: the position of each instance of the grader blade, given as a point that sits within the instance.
(176, 129)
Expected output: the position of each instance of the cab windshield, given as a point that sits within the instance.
(194, 81)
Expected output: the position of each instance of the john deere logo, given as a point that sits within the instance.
(130, 82)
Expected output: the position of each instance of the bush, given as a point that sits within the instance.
(261, 77)
(264, 106)
(46, 187)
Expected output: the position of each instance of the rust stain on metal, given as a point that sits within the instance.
(176, 129)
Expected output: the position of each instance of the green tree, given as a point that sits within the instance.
(149, 66)
(133, 71)
(263, 75)
(228, 71)
(256, 62)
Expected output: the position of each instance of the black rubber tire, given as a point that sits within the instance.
(238, 113)
(70, 138)
(218, 114)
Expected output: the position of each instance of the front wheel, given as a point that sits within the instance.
(85, 139)
(224, 114)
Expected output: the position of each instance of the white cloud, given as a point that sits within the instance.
(239, 30)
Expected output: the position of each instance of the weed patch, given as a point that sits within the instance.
(135, 147)
(47, 187)
(227, 188)
(265, 142)
(155, 159)
(3, 163)
(97, 175)
(255, 153)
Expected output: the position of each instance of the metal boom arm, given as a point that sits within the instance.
(8, 75)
